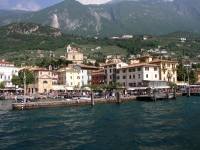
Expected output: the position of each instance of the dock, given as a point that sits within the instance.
(65, 103)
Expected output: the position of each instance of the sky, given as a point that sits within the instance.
(35, 5)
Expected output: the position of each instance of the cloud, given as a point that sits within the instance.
(93, 1)
(28, 6)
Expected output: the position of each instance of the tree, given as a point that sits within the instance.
(181, 71)
(27, 76)
(193, 77)
(2, 85)
(16, 81)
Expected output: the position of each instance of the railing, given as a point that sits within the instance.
(164, 68)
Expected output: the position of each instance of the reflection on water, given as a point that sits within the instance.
(173, 124)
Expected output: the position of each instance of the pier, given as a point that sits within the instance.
(64, 103)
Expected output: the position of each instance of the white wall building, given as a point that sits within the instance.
(7, 70)
(85, 73)
(133, 75)
(110, 71)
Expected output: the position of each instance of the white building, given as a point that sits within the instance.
(110, 71)
(133, 75)
(85, 73)
(7, 70)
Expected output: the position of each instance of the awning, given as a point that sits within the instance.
(19, 89)
(160, 87)
(136, 88)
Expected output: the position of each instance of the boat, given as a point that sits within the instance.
(2, 97)
(27, 97)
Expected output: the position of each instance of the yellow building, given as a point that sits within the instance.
(167, 71)
(73, 55)
(43, 80)
(69, 77)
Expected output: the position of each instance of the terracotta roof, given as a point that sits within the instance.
(97, 71)
(6, 62)
(146, 56)
(86, 67)
(110, 64)
(138, 65)
(163, 60)
(38, 69)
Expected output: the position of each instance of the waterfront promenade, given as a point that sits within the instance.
(67, 102)
(50, 103)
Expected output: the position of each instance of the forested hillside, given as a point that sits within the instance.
(20, 43)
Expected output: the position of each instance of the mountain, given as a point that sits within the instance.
(5, 13)
(155, 17)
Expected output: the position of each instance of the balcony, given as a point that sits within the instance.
(174, 68)
(169, 76)
(164, 68)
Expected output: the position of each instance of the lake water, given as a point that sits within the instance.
(166, 124)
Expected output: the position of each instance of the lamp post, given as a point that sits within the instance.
(24, 87)
(188, 90)
(187, 73)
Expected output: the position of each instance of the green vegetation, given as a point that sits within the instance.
(23, 47)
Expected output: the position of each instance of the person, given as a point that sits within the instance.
(16, 98)
(78, 99)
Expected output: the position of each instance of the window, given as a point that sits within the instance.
(123, 71)
(110, 77)
(70, 77)
(155, 69)
(110, 71)
(130, 70)
(138, 76)
(124, 77)
(71, 83)
(168, 65)
(133, 69)
(78, 77)
(118, 77)
(133, 76)
(130, 77)
(155, 75)
(73, 57)
(138, 69)
(146, 68)
(147, 76)
(40, 73)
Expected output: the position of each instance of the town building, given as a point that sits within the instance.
(43, 80)
(73, 55)
(134, 75)
(7, 70)
(69, 77)
(98, 77)
(110, 71)
(168, 68)
(85, 73)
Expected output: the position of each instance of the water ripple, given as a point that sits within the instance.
(173, 124)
